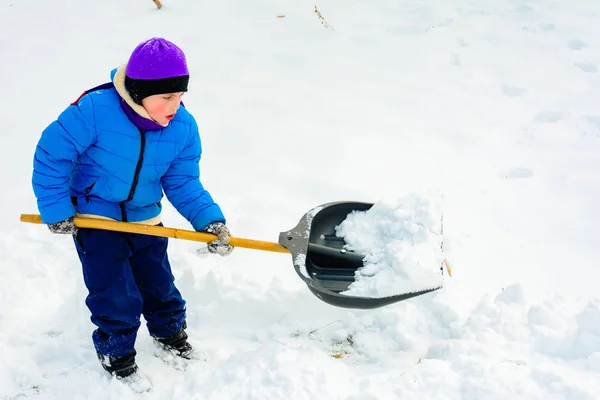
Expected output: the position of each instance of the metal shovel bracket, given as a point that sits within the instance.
(322, 262)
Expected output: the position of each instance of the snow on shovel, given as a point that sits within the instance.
(319, 256)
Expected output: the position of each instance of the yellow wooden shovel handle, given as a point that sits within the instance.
(128, 227)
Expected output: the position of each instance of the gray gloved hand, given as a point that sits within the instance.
(64, 227)
(220, 246)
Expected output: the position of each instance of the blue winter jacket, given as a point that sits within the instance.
(94, 160)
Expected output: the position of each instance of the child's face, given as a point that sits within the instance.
(162, 107)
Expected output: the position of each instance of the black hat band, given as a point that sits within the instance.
(139, 89)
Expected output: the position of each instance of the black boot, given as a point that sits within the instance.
(120, 367)
(126, 370)
(178, 344)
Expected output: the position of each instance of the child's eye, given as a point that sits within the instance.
(167, 97)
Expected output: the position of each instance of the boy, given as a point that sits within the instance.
(111, 154)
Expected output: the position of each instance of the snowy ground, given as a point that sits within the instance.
(495, 106)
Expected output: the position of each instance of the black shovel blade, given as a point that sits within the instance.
(322, 262)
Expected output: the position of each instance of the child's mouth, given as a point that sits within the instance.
(170, 117)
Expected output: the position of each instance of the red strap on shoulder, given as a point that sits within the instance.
(79, 98)
(104, 86)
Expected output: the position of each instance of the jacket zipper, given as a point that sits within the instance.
(136, 176)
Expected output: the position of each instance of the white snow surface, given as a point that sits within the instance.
(495, 105)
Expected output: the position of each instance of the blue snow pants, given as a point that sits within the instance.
(128, 275)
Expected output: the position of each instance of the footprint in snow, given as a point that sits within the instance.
(512, 91)
(523, 8)
(587, 67)
(455, 60)
(547, 117)
(594, 120)
(462, 42)
(576, 44)
(517, 173)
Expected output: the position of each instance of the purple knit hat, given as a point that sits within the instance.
(156, 66)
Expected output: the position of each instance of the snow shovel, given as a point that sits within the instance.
(318, 255)
(323, 263)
